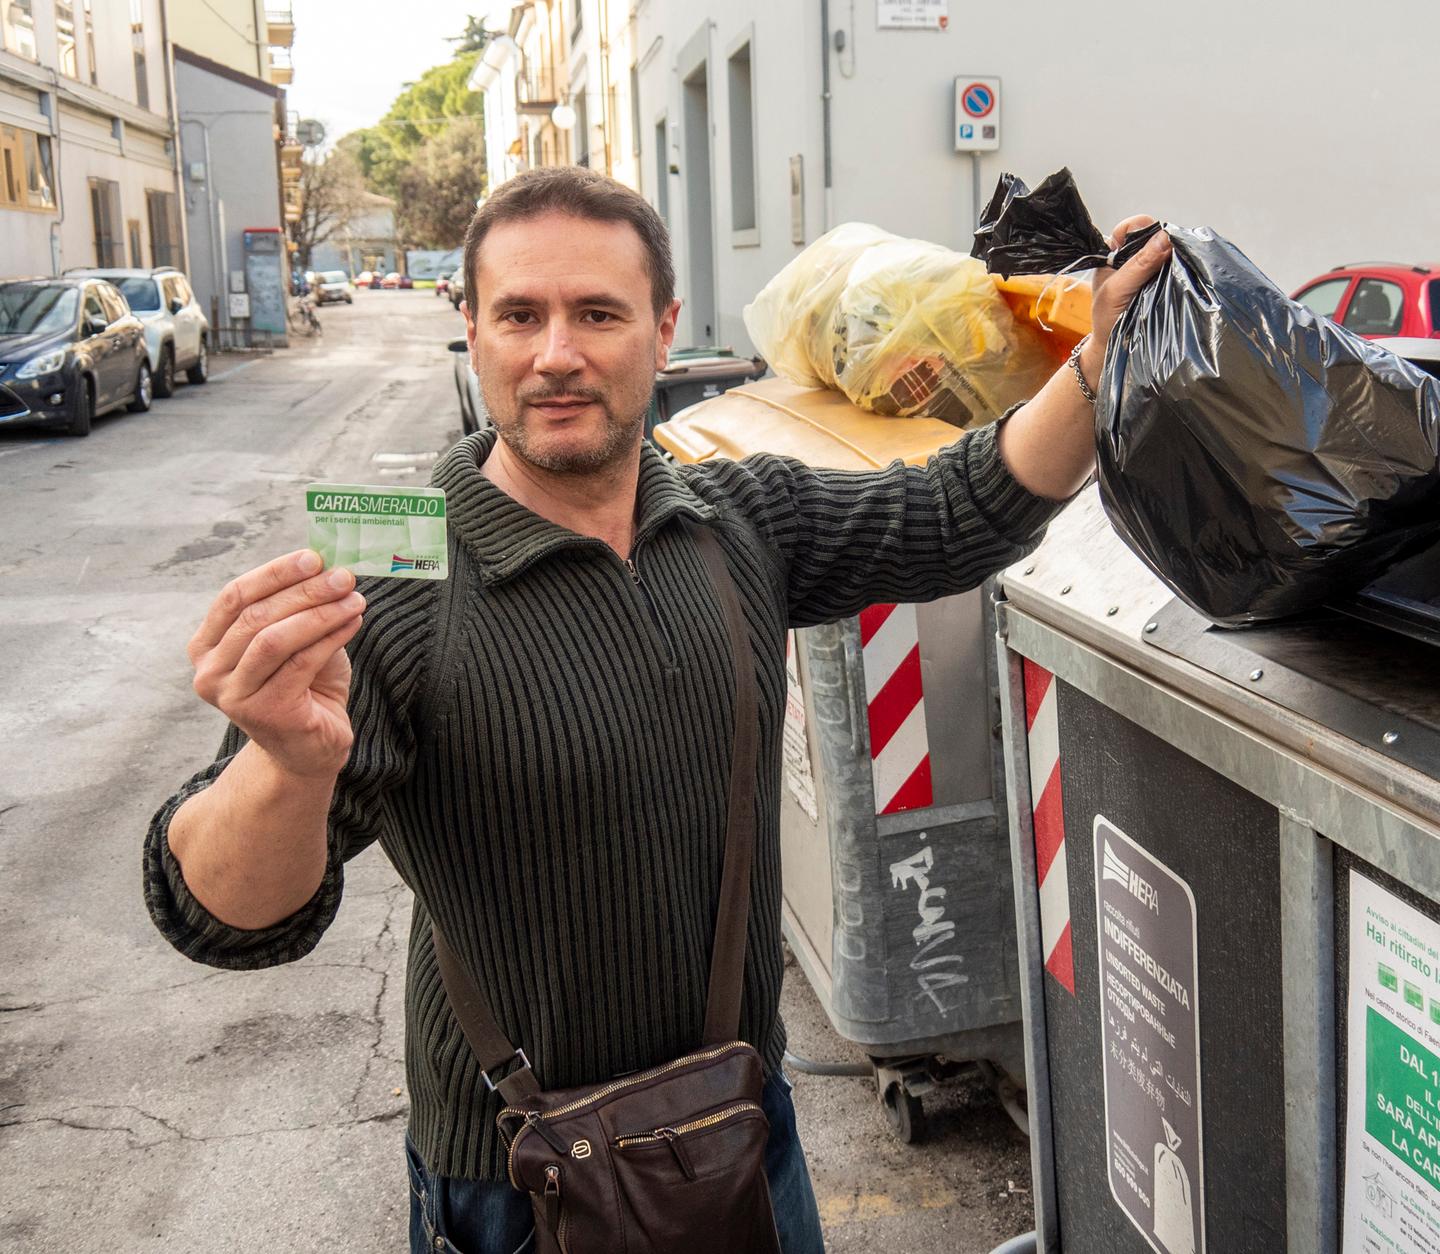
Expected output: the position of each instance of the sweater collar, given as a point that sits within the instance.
(505, 537)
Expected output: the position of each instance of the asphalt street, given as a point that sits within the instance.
(148, 1103)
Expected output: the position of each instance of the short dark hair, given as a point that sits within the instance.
(581, 193)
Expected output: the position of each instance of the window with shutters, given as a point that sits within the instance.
(17, 18)
(27, 178)
(89, 6)
(161, 209)
(65, 39)
(137, 43)
(106, 218)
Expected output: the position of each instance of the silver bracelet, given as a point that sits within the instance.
(1085, 389)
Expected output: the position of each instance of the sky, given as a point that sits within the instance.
(349, 68)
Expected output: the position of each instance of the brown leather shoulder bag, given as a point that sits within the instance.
(673, 1158)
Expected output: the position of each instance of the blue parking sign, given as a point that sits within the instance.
(967, 131)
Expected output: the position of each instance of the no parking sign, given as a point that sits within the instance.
(977, 114)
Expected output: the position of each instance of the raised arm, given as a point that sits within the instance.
(913, 533)
(1049, 444)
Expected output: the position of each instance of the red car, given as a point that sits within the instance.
(1378, 299)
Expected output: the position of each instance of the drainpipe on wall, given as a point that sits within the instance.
(829, 200)
(172, 101)
(55, 251)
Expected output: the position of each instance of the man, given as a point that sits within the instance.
(547, 763)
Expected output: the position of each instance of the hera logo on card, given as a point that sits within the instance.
(399, 564)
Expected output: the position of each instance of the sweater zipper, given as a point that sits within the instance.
(633, 568)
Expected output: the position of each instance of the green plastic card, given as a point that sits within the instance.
(379, 530)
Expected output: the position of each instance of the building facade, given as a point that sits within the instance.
(559, 79)
(763, 124)
(240, 168)
(88, 160)
(368, 241)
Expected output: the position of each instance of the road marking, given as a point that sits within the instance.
(850, 1208)
(401, 459)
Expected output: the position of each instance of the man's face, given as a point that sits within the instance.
(564, 339)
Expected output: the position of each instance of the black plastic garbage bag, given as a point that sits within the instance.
(1259, 458)
(1046, 230)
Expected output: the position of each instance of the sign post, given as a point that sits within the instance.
(977, 123)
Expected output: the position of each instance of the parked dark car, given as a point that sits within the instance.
(457, 287)
(70, 350)
(473, 415)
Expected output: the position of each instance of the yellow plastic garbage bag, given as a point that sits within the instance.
(901, 326)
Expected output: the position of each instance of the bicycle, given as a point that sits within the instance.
(304, 318)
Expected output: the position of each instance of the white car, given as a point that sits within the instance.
(177, 332)
(332, 286)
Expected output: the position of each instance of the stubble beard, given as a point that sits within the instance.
(621, 433)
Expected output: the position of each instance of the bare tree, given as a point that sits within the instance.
(333, 195)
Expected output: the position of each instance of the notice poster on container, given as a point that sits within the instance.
(1150, 1033)
(1392, 1124)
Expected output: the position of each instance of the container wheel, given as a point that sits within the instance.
(904, 1112)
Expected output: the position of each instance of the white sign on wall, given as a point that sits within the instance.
(977, 113)
(239, 304)
(912, 14)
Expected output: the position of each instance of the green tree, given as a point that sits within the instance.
(438, 188)
(474, 38)
(422, 112)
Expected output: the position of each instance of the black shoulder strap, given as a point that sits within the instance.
(727, 960)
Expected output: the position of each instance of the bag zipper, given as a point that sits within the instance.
(599, 1095)
(551, 1138)
(552, 1198)
(684, 1129)
(674, 1137)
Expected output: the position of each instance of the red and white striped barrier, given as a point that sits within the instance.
(895, 697)
(1043, 728)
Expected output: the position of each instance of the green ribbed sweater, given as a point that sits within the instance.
(562, 815)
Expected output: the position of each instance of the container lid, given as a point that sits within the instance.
(1405, 599)
(740, 367)
(814, 425)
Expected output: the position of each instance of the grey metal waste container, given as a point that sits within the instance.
(897, 892)
(1227, 867)
(693, 375)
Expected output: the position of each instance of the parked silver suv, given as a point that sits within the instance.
(177, 332)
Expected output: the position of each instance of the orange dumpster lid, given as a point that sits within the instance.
(823, 428)
(1061, 306)
(814, 425)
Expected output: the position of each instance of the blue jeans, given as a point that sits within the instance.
(455, 1216)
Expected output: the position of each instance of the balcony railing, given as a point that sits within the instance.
(282, 68)
(280, 26)
(535, 90)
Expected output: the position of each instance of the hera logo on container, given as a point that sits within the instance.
(399, 565)
(1138, 887)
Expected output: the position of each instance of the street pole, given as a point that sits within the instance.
(975, 186)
